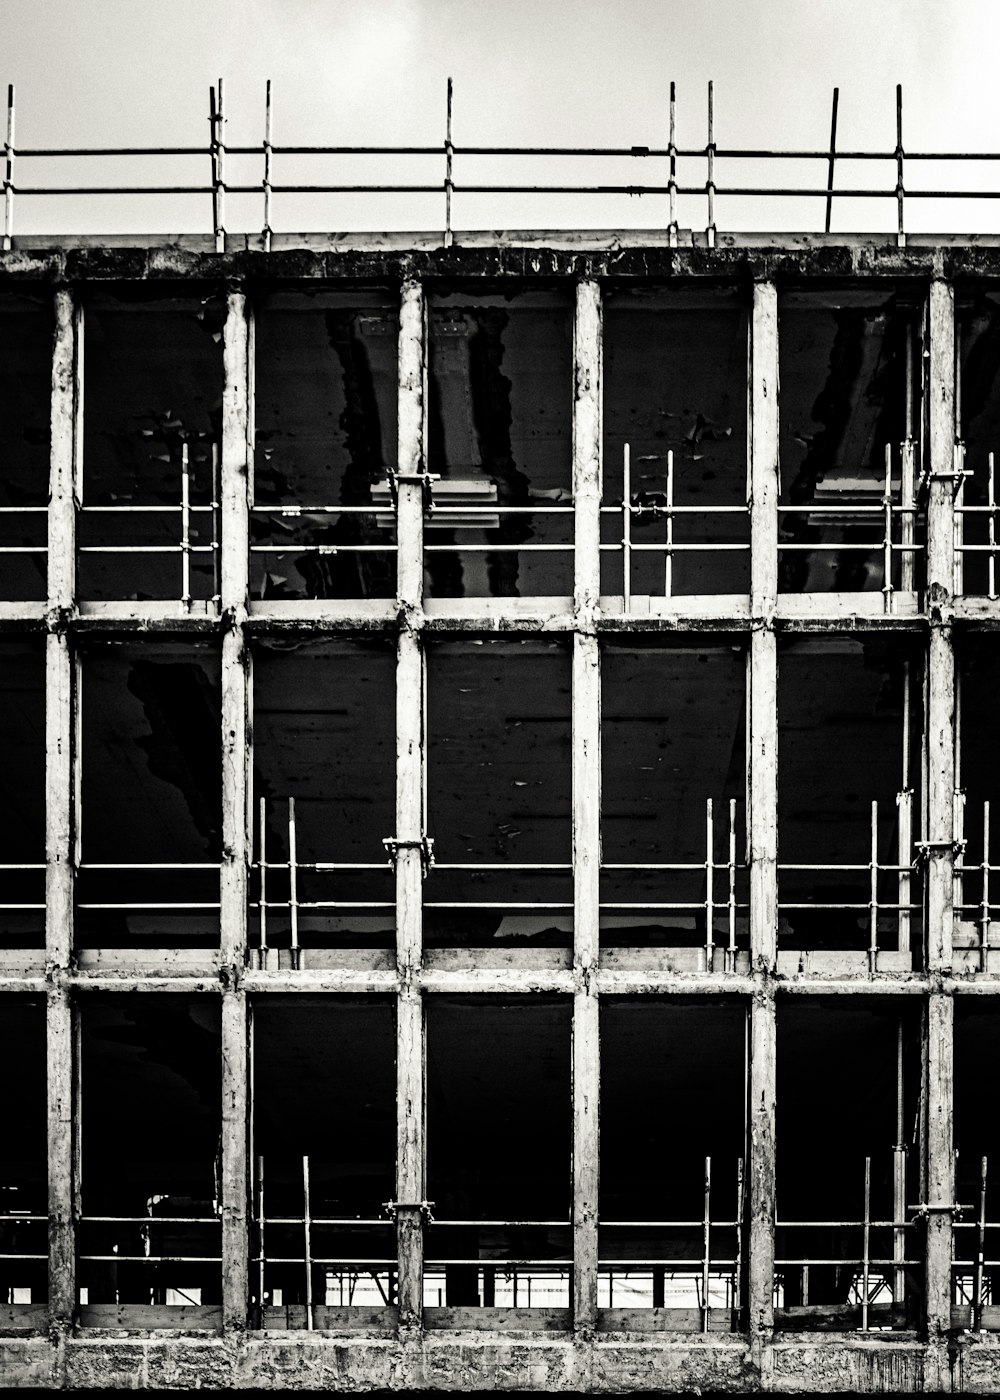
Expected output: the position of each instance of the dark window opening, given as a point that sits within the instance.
(672, 1230)
(152, 417)
(324, 784)
(500, 398)
(673, 808)
(978, 397)
(324, 1136)
(25, 386)
(150, 1162)
(151, 819)
(499, 794)
(24, 1205)
(499, 1141)
(848, 1253)
(977, 810)
(849, 443)
(22, 792)
(849, 800)
(323, 520)
(675, 395)
(976, 1272)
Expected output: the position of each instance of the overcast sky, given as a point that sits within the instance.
(526, 72)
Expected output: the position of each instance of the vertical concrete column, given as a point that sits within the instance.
(237, 430)
(61, 779)
(762, 807)
(410, 850)
(587, 449)
(940, 835)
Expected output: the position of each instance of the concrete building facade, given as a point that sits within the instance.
(499, 741)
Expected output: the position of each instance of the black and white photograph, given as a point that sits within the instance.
(500, 696)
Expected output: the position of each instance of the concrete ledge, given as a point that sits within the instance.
(611, 1362)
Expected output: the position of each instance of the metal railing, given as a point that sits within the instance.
(875, 1277)
(188, 547)
(310, 1262)
(902, 911)
(662, 507)
(703, 160)
(690, 1278)
(890, 523)
(295, 909)
(720, 902)
(966, 516)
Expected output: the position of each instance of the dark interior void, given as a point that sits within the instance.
(22, 791)
(673, 739)
(667, 1062)
(325, 735)
(325, 432)
(979, 429)
(499, 426)
(500, 793)
(675, 380)
(977, 1136)
(23, 1152)
(499, 1151)
(850, 388)
(324, 1130)
(842, 703)
(848, 1089)
(152, 387)
(151, 795)
(25, 389)
(151, 1097)
(979, 784)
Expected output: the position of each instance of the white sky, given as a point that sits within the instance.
(526, 72)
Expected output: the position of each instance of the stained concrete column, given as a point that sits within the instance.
(237, 438)
(410, 851)
(939, 847)
(587, 457)
(762, 811)
(61, 778)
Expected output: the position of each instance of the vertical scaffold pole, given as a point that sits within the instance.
(710, 155)
(672, 177)
(832, 161)
(627, 529)
(8, 179)
(449, 167)
(218, 154)
(267, 167)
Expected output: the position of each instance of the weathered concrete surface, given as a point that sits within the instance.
(145, 262)
(615, 1363)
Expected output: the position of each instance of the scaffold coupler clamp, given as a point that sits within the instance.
(424, 844)
(925, 849)
(426, 1209)
(423, 478)
(923, 1210)
(956, 476)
